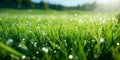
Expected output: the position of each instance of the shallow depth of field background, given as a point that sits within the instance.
(59, 30)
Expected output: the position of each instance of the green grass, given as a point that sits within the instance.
(59, 35)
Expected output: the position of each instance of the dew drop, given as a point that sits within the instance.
(117, 44)
(76, 14)
(46, 43)
(93, 40)
(37, 52)
(9, 41)
(23, 57)
(65, 44)
(89, 49)
(70, 48)
(35, 43)
(95, 56)
(54, 51)
(23, 39)
(59, 48)
(75, 42)
(101, 40)
(70, 56)
(33, 57)
(45, 49)
(65, 40)
(19, 45)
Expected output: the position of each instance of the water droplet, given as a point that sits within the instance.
(89, 49)
(45, 49)
(76, 14)
(117, 44)
(75, 42)
(70, 48)
(35, 43)
(93, 40)
(65, 40)
(112, 18)
(33, 57)
(37, 52)
(19, 45)
(23, 39)
(59, 48)
(23, 57)
(95, 56)
(70, 56)
(54, 51)
(9, 41)
(46, 43)
(14, 56)
(65, 44)
(101, 40)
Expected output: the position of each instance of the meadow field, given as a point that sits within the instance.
(59, 35)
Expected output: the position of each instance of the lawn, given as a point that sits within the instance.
(59, 35)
